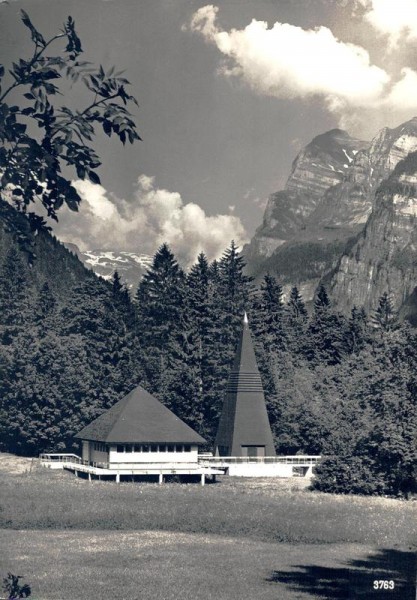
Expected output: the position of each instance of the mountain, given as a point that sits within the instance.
(295, 241)
(130, 266)
(328, 200)
(384, 256)
(52, 261)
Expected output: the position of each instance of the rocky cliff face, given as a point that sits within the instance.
(328, 199)
(384, 257)
(319, 166)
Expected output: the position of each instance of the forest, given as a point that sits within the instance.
(341, 386)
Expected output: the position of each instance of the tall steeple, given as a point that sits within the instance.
(244, 428)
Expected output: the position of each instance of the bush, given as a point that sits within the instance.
(348, 475)
(13, 588)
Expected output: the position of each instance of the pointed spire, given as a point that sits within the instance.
(244, 428)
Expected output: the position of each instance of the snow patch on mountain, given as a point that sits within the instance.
(130, 266)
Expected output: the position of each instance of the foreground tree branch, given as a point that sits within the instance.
(32, 158)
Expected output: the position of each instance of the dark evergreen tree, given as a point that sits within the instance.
(160, 316)
(357, 334)
(199, 304)
(296, 306)
(267, 315)
(326, 332)
(15, 296)
(385, 317)
(321, 301)
(295, 323)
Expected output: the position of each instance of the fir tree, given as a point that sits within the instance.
(15, 297)
(385, 317)
(357, 331)
(326, 331)
(296, 306)
(160, 313)
(295, 322)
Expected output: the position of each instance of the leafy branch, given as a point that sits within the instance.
(31, 164)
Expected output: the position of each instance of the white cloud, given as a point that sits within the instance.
(286, 61)
(403, 94)
(141, 225)
(395, 18)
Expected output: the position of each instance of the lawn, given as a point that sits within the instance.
(266, 539)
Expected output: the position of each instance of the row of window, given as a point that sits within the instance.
(100, 447)
(153, 448)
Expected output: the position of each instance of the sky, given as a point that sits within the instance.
(228, 93)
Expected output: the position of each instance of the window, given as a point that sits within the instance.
(154, 448)
(178, 448)
(171, 448)
(137, 448)
(187, 448)
(120, 448)
(162, 448)
(129, 448)
(145, 448)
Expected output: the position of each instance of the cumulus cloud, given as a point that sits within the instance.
(396, 19)
(286, 61)
(153, 216)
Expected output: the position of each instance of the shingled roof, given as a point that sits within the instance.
(244, 419)
(139, 418)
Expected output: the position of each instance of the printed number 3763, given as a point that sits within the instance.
(383, 584)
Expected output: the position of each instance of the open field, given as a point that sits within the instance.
(236, 539)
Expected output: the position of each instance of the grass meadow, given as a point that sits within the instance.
(236, 539)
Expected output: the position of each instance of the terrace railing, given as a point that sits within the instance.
(203, 460)
(298, 459)
(60, 458)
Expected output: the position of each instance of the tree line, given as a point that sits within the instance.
(340, 386)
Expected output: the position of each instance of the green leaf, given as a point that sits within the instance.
(94, 177)
(107, 127)
(47, 73)
(80, 171)
(36, 36)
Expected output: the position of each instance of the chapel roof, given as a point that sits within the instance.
(139, 418)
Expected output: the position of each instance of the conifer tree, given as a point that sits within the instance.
(296, 306)
(295, 320)
(15, 299)
(233, 289)
(357, 335)
(385, 317)
(160, 314)
(326, 331)
(272, 315)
